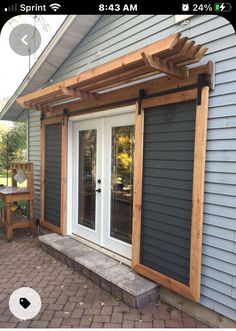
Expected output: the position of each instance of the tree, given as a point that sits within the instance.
(12, 145)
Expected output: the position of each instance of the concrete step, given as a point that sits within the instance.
(113, 276)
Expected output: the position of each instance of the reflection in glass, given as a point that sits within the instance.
(122, 182)
(87, 177)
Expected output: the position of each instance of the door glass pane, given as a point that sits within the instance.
(122, 182)
(87, 178)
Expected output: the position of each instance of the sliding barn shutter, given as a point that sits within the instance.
(169, 170)
(53, 173)
(167, 189)
(52, 205)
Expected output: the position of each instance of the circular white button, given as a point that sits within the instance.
(25, 303)
(25, 39)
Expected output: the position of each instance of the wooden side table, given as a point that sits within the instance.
(11, 195)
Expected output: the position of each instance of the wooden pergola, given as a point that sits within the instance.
(170, 56)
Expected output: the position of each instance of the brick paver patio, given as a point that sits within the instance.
(68, 298)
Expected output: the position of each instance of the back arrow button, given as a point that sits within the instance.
(23, 39)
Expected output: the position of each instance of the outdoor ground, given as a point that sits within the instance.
(68, 298)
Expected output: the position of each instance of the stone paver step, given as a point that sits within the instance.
(113, 276)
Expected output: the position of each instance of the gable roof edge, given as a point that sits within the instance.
(12, 111)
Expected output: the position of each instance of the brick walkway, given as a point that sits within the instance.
(68, 298)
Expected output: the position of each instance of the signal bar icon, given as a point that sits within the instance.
(55, 6)
(13, 7)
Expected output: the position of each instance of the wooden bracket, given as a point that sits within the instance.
(163, 66)
(23, 104)
(45, 108)
(33, 105)
(71, 92)
(27, 105)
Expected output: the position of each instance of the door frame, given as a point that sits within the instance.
(70, 146)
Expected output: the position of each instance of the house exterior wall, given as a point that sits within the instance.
(114, 36)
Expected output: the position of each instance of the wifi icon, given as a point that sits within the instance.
(55, 6)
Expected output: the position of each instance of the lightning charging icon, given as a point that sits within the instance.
(222, 7)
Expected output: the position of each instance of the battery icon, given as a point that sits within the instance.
(222, 7)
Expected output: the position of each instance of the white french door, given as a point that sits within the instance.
(87, 172)
(103, 181)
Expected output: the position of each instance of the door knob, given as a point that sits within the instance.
(98, 190)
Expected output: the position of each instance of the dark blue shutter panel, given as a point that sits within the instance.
(167, 189)
(52, 198)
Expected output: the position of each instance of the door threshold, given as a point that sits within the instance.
(103, 250)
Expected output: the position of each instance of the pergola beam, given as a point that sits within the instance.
(123, 94)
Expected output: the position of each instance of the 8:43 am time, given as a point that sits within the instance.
(117, 7)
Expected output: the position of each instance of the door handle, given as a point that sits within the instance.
(98, 190)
